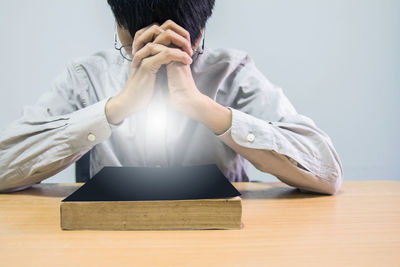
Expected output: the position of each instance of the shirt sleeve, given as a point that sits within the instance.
(263, 118)
(53, 133)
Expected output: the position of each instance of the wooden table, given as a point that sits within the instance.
(360, 226)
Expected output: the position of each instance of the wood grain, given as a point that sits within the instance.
(360, 226)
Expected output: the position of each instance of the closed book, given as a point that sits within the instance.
(143, 198)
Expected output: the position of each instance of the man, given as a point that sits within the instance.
(163, 100)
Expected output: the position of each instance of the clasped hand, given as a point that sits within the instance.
(153, 46)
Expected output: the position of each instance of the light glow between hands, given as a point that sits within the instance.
(156, 120)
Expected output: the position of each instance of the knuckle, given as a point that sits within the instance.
(149, 46)
(155, 28)
(136, 46)
(184, 55)
(168, 52)
(158, 47)
(146, 64)
(139, 39)
(159, 30)
(136, 57)
(187, 34)
(137, 34)
(169, 32)
(154, 47)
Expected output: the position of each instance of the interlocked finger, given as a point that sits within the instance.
(169, 37)
(151, 32)
(164, 57)
(146, 36)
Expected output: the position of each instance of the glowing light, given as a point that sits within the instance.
(156, 120)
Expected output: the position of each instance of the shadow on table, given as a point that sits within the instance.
(49, 190)
(278, 192)
(273, 191)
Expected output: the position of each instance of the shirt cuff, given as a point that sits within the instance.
(88, 126)
(251, 132)
(222, 134)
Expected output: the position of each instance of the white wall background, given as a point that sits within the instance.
(337, 61)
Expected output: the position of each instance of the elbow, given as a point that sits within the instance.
(330, 176)
(333, 176)
(336, 178)
(327, 186)
(8, 184)
(328, 181)
(332, 182)
(13, 181)
(334, 186)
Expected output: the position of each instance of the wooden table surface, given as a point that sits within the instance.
(360, 226)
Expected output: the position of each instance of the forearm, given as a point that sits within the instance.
(219, 119)
(132, 98)
(283, 168)
(15, 180)
(34, 148)
(210, 113)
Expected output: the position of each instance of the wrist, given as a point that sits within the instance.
(121, 106)
(212, 114)
(114, 112)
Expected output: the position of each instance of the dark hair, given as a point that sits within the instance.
(134, 15)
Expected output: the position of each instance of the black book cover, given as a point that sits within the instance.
(145, 184)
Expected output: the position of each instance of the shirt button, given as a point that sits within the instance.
(250, 137)
(91, 137)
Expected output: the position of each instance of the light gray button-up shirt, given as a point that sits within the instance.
(70, 119)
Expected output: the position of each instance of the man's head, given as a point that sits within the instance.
(134, 15)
